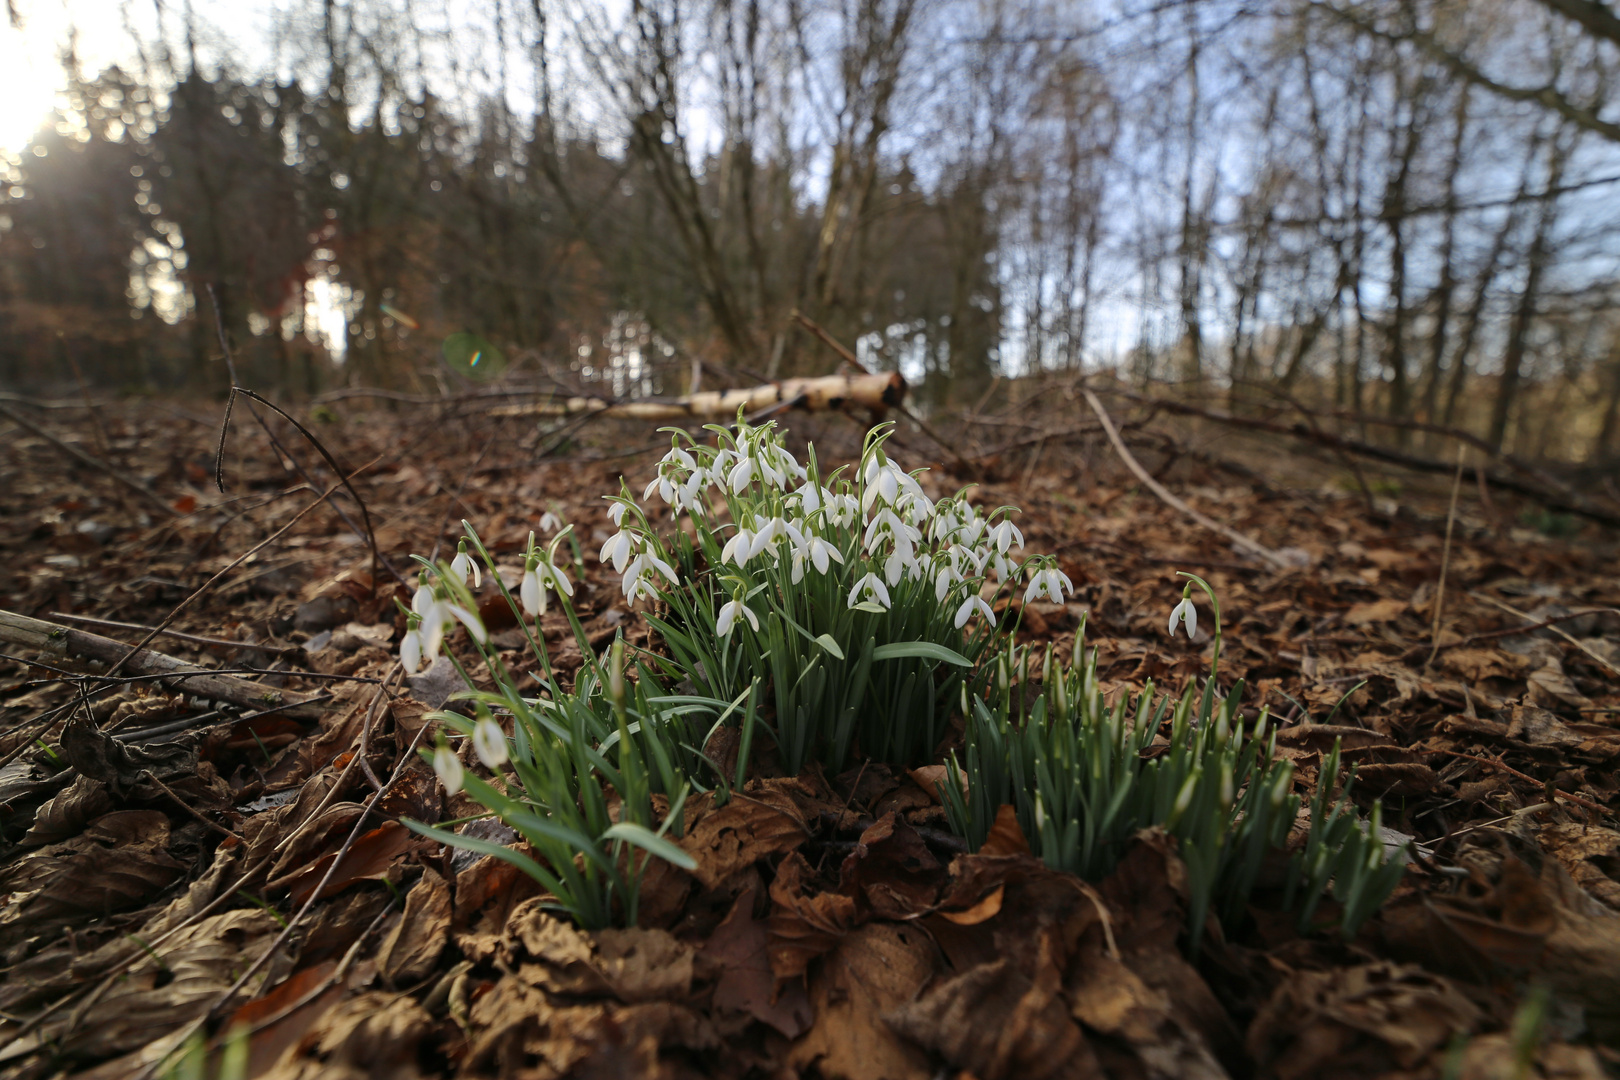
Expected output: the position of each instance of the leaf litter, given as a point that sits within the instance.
(177, 869)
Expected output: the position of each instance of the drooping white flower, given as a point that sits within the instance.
(448, 766)
(869, 588)
(552, 577)
(823, 553)
(410, 651)
(1184, 610)
(809, 496)
(615, 515)
(1005, 534)
(943, 582)
(469, 619)
(728, 616)
(1050, 582)
(489, 742)
(618, 549)
(464, 565)
(739, 548)
(550, 523)
(974, 603)
(741, 474)
(531, 593)
(636, 582)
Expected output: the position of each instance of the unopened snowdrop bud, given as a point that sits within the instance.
(615, 686)
(410, 651)
(463, 565)
(448, 767)
(532, 595)
(1184, 610)
(489, 742)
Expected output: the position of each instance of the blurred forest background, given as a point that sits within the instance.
(1396, 210)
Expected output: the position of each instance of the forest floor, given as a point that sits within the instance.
(161, 850)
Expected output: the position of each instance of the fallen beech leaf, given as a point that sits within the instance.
(892, 870)
(764, 822)
(367, 860)
(997, 1022)
(802, 926)
(930, 777)
(411, 950)
(872, 972)
(747, 984)
(1586, 851)
(370, 1035)
(1357, 1022)
(1376, 611)
(1006, 837)
(988, 908)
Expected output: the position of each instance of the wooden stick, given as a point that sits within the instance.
(50, 638)
(876, 392)
(1169, 499)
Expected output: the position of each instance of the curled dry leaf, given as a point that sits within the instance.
(1364, 1021)
(411, 950)
(999, 1021)
(804, 926)
(872, 972)
(738, 947)
(891, 871)
(370, 1035)
(764, 821)
(119, 861)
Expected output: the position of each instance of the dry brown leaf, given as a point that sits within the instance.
(368, 859)
(804, 926)
(1376, 611)
(199, 963)
(763, 821)
(872, 972)
(1006, 837)
(370, 1035)
(1364, 1021)
(1591, 855)
(892, 871)
(1494, 1057)
(68, 811)
(746, 983)
(412, 948)
(999, 1022)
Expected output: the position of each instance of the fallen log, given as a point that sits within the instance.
(878, 393)
(62, 641)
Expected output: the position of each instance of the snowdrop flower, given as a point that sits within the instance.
(463, 565)
(618, 549)
(448, 766)
(767, 536)
(974, 603)
(532, 593)
(410, 649)
(739, 548)
(635, 584)
(469, 619)
(728, 616)
(942, 584)
(550, 522)
(552, 577)
(822, 554)
(615, 515)
(1184, 610)
(741, 475)
(1051, 582)
(869, 588)
(489, 742)
(809, 497)
(1005, 534)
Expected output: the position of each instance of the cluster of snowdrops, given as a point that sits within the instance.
(847, 616)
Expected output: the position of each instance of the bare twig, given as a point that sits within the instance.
(1445, 557)
(1167, 497)
(273, 650)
